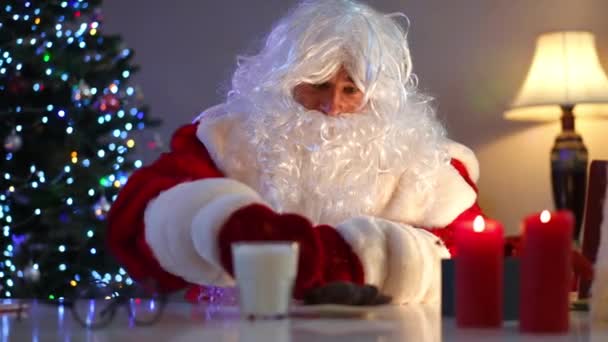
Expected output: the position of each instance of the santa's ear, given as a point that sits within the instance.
(466, 156)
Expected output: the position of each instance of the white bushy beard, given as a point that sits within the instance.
(327, 169)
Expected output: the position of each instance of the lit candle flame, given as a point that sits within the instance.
(545, 216)
(479, 224)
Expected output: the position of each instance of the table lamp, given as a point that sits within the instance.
(565, 80)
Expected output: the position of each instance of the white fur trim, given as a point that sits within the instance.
(213, 130)
(437, 208)
(467, 157)
(154, 233)
(168, 219)
(206, 226)
(369, 243)
(402, 260)
(599, 289)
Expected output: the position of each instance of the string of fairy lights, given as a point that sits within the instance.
(115, 103)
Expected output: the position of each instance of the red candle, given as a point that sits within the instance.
(546, 272)
(479, 273)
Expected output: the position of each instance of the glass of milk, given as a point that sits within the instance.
(265, 273)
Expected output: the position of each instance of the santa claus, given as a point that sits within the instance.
(324, 140)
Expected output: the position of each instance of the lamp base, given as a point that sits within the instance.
(569, 159)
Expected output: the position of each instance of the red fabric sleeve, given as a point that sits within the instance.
(446, 234)
(125, 237)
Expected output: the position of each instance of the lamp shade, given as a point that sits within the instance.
(565, 71)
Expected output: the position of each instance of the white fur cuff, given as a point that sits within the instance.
(435, 207)
(168, 221)
(401, 260)
(467, 157)
(368, 242)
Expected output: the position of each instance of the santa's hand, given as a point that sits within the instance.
(324, 256)
(257, 222)
(346, 293)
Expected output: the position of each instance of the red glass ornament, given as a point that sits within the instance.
(109, 103)
(17, 85)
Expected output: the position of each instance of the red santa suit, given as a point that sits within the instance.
(175, 220)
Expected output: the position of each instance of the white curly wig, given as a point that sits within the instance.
(317, 37)
(340, 165)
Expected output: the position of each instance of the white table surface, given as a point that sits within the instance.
(185, 322)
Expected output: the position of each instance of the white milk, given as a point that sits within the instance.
(265, 274)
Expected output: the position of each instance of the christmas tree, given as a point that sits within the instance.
(68, 117)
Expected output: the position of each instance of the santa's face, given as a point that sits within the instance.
(336, 96)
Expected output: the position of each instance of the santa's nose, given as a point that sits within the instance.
(332, 105)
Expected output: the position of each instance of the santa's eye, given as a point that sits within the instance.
(350, 90)
(323, 85)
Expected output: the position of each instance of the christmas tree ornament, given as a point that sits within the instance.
(13, 142)
(97, 16)
(84, 88)
(40, 50)
(157, 142)
(109, 103)
(101, 207)
(31, 273)
(17, 85)
(18, 240)
(82, 91)
(64, 217)
(139, 94)
(105, 182)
